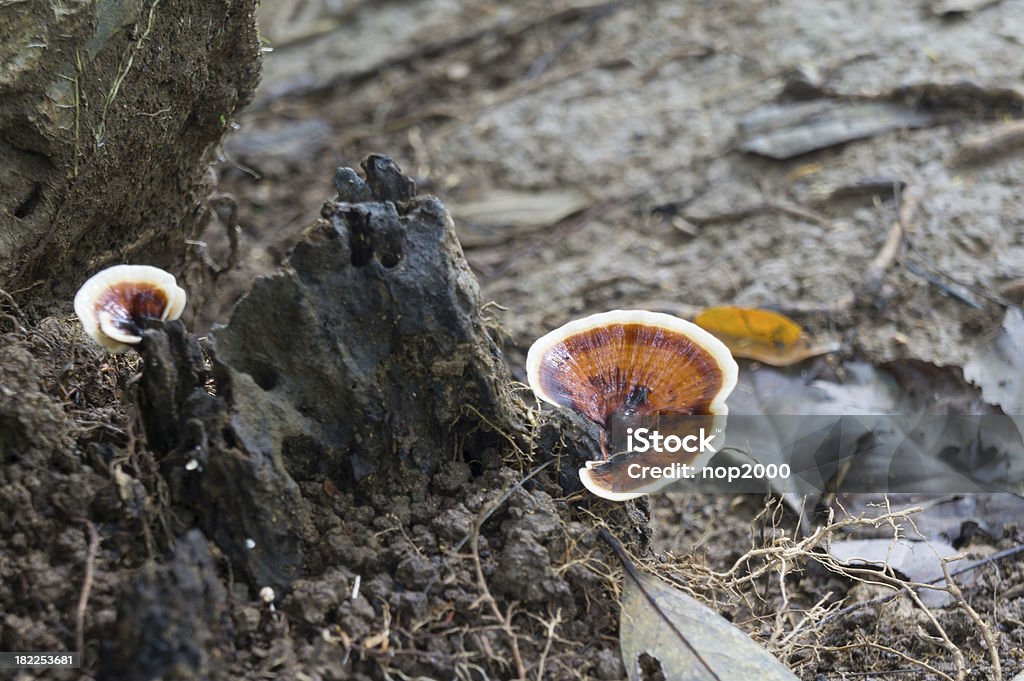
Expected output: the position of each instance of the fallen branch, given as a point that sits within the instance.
(989, 144)
(991, 640)
(910, 201)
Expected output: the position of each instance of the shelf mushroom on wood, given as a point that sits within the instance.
(633, 364)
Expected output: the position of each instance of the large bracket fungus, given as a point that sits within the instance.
(629, 364)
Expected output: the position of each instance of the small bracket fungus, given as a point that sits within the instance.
(114, 303)
(634, 364)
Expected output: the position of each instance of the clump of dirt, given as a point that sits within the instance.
(438, 595)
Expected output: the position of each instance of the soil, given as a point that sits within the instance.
(640, 109)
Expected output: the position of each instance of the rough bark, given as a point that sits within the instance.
(108, 112)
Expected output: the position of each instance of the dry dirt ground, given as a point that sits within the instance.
(599, 156)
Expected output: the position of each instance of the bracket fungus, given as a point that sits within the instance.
(634, 364)
(115, 303)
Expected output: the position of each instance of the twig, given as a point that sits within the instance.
(1000, 555)
(906, 658)
(12, 318)
(997, 298)
(952, 290)
(991, 143)
(685, 52)
(910, 201)
(485, 596)
(83, 597)
(550, 626)
(991, 640)
(771, 206)
(885, 257)
(958, 655)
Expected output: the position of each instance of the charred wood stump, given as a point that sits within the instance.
(368, 355)
(173, 621)
(365, 362)
(355, 399)
(244, 499)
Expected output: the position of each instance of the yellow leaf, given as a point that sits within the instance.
(762, 335)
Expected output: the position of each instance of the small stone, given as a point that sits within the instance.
(247, 620)
(415, 572)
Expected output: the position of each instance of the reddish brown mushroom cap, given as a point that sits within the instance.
(634, 363)
(642, 362)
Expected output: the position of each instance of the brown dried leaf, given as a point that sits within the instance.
(501, 215)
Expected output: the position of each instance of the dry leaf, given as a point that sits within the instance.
(655, 620)
(762, 335)
(918, 561)
(782, 131)
(501, 215)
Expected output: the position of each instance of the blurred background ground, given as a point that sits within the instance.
(589, 152)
